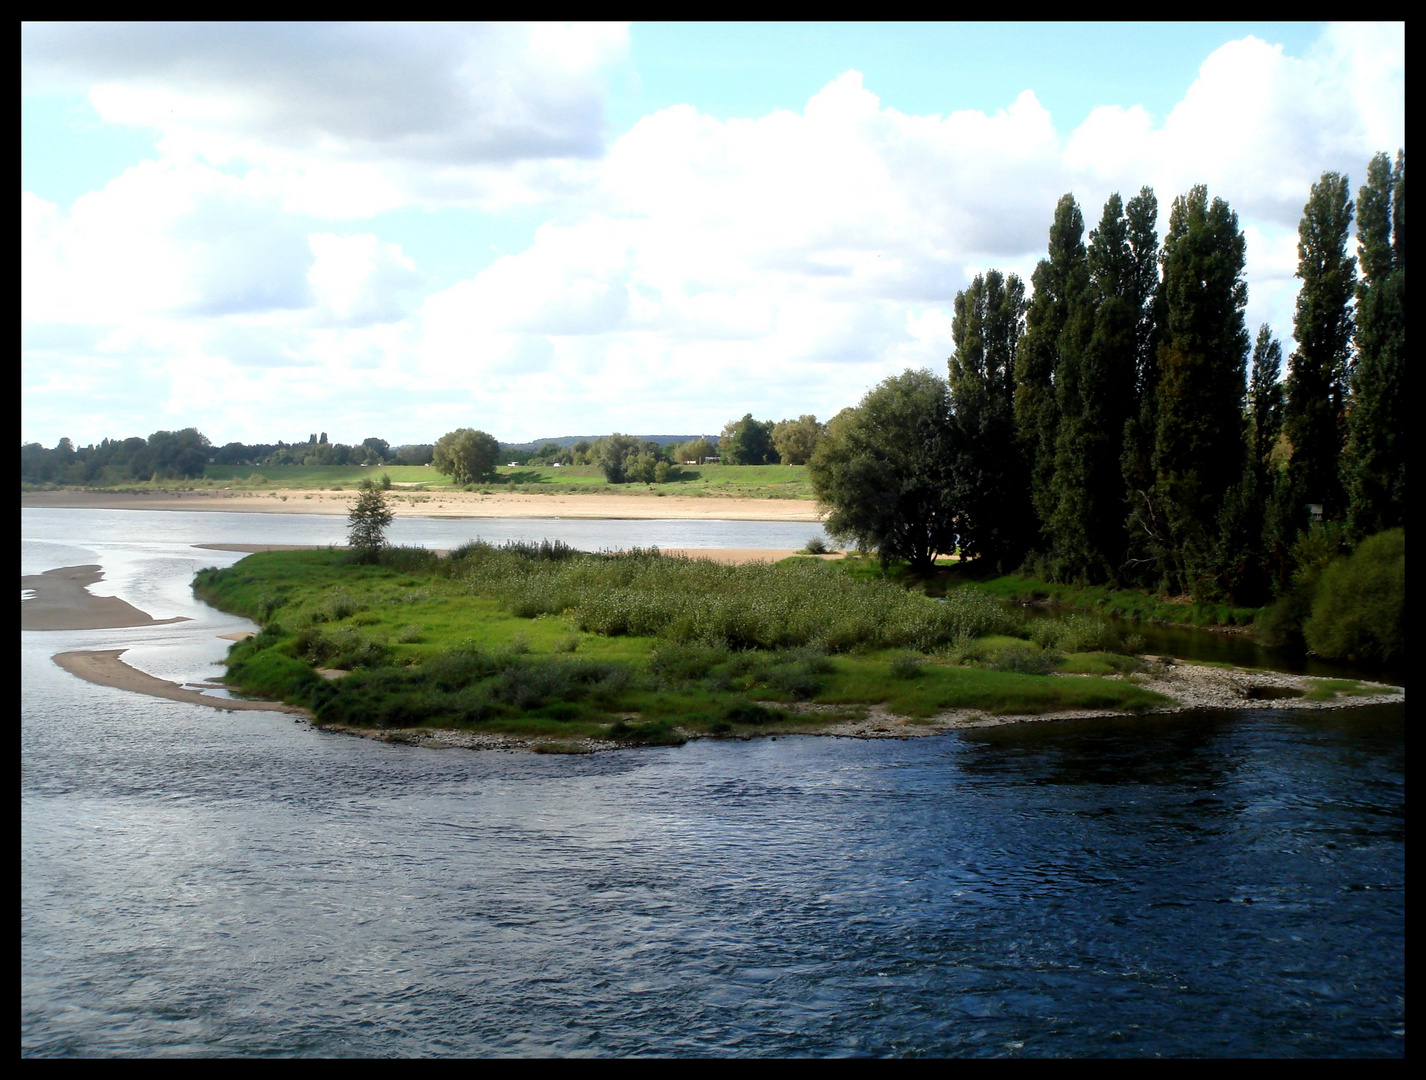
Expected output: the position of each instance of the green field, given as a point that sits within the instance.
(750, 481)
(641, 646)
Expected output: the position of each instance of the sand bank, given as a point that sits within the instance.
(1191, 686)
(62, 601)
(105, 668)
(472, 504)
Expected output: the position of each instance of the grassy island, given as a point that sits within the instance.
(542, 640)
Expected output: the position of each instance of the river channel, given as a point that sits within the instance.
(203, 883)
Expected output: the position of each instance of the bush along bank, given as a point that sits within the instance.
(642, 647)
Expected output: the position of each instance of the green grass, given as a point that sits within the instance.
(747, 481)
(1333, 689)
(643, 648)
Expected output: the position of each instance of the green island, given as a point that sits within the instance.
(643, 647)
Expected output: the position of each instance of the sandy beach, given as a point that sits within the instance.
(105, 668)
(62, 601)
(472, 504)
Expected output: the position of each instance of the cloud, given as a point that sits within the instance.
(358, 280)
(696, 270)
(163, 236)
(387, 112)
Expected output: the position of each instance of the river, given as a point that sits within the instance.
(203, 883)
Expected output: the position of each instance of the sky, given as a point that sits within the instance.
(535, 230)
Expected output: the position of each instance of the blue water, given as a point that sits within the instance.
(197, 882)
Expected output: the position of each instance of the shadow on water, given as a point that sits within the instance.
(1238, 649)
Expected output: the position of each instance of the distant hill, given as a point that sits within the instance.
(569, 440)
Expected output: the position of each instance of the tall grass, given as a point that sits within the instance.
(649, 594)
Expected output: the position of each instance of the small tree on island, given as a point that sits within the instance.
(367, 522)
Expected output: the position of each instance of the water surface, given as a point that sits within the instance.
(197, 882)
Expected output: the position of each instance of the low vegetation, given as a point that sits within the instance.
(641, 647)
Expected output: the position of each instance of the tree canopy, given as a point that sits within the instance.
(882, 471)
(466, 455)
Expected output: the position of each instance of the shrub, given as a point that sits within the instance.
(816, 546)
(1359, 610)
(906, 666)
(1024, 661)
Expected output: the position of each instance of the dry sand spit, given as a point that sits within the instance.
(646, 506)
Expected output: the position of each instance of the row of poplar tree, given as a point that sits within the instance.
(1111, 429)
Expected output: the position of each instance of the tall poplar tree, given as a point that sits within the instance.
(1096, 397)
(990, 470)
(1374, 457)
(1265, 397)
(1199, 446)
(1136, 462)
(1317, 369)
(1054, 326)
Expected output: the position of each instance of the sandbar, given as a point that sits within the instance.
(105, 668)
(62, 601)
(648, 505)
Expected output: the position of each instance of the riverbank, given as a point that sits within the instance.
(1192, 687)
(642, 505)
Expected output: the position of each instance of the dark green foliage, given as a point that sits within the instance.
(1265, 397)
(1314, 548)
(1096, 397)
(1199, 446)
(624, 460)
(1359, 610)
(884, 472)
(1317, 369)
(796, 440)
(748, 442)
(367, 523)
(466, 455)
(1374, 455)
(1059, 281)
(989, 470)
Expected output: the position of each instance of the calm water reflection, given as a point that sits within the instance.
(195, 882)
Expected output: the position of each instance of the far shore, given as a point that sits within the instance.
(645, 505)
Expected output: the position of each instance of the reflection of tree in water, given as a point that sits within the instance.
(1177, 750)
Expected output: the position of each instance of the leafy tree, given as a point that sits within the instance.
(1059, 283)
(1265, 401)
(1317, 369)
(367, 522)
(990, 469)
(377, 450)
(466, 455)
(747, 442)
(1359, 608)
(1136, 464)
(695, 450)
(624, 459)
(1374, 457)
(882, 471)
(1200, 441)
(179, 453)
(1095, 396)
(796, 440)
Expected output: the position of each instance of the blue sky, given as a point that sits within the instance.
(543, 230)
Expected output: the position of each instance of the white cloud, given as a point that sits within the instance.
(699, 269)
(347, 119)
(358, 279)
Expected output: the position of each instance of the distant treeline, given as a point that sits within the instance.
(184, 455)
